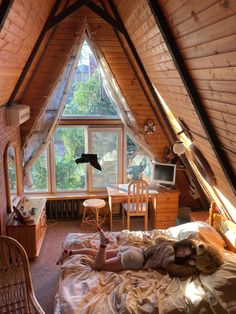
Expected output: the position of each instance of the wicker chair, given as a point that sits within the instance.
(16, 290)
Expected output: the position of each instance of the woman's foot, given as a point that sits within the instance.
(104, 240)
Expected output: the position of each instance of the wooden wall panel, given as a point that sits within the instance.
(17, 38)
(205, 34)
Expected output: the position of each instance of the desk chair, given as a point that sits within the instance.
(137, 205)
(16, 290)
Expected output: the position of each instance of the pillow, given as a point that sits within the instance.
(198, 230)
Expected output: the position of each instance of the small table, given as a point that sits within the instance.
(91, 211)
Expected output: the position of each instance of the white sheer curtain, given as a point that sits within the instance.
(118, 99)
(50, 116)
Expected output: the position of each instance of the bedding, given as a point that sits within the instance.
(83, 290)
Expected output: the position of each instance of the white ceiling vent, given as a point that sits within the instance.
(17, 114)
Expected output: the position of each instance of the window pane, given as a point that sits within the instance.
(69, 143)
(87, 96)
(105, 145)
(39, 175)
(138, 166)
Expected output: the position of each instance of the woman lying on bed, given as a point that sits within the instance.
(163, 255)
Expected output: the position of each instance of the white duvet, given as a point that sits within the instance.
(83, 290)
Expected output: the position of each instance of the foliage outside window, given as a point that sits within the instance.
(138, 166)
(69, 143)
(87, 96)
(39, 175)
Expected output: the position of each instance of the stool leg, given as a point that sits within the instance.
(84, 213)
(97, 215)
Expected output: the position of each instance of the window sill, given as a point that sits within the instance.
(64, 196)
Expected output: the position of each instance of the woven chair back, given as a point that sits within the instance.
(16, 290)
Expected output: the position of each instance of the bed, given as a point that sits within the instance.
(83, 290)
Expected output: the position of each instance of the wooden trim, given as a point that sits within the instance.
(4, 11)
(86, 122)
(192, 92)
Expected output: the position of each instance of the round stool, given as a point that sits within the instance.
(91, 213)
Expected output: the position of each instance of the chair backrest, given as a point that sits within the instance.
(16, 290)
(138, 196)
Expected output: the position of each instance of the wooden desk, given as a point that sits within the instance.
(118, 193)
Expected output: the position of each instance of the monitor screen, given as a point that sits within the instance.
(164, 173)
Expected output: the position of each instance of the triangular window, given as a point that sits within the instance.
(87, 96)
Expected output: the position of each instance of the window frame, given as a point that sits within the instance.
(99, 124)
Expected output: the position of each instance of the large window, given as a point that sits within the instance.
(69, 143)
(75, 135)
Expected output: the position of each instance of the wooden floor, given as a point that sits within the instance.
(44, 269)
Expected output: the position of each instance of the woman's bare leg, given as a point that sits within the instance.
(109, 260)
(86, 251)
(102, 262)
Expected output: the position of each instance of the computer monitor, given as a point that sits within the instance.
(164, 174)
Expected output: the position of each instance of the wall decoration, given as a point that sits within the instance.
(149, 127)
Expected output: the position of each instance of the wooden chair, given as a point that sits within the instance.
(137, 205)
(16, 290)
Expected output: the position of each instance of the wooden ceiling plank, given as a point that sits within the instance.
(33, 53)
(196, 101)
(5, 9)
(104, 15)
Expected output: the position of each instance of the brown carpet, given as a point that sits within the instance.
(44, 270)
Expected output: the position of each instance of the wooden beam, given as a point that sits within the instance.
(66, 12)
(203, 199)
(4, 10)
(192, 92)
(104, 15)
(33, 53)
